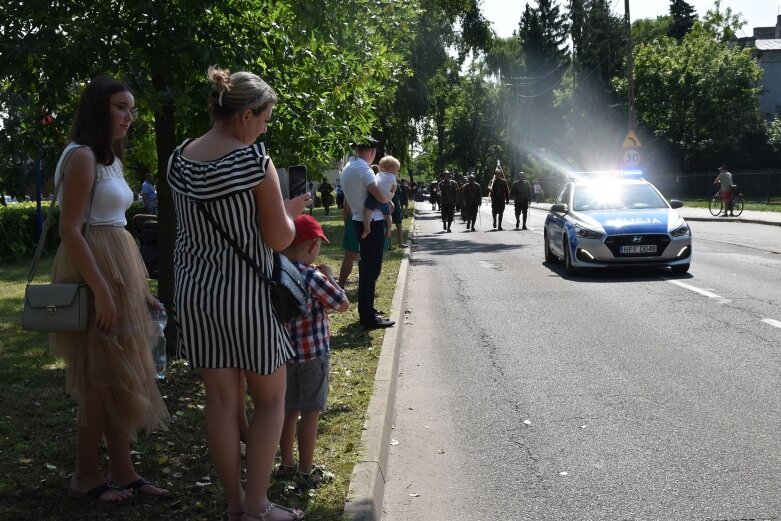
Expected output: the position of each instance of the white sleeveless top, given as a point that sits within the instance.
(113, 196)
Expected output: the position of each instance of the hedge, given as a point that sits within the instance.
(17, 229)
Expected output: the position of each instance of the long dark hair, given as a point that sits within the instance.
(92, 121)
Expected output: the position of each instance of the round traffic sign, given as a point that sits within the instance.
(631, 157)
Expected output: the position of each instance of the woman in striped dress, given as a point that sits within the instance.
(227, 326)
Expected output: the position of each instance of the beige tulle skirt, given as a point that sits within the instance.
(115, 368)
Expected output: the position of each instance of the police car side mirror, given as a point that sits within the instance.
(559, 208)
(675, 203)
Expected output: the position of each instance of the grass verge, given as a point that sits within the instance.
(37, 417)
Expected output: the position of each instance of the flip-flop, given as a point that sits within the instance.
(138, 485)
(96, 492)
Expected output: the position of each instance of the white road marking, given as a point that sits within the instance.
(774, 323)
(703, 292)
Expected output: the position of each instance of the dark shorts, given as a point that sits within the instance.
(307, 384)
(373, 204)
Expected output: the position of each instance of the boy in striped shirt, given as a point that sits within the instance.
(307, 372)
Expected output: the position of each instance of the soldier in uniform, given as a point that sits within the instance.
(500, 196)
(521, 193)
(433, 188)
(448, 197)
(473, 198)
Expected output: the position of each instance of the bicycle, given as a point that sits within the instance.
(716, 203)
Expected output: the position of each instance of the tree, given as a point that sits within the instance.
(684, 16)
(699, 95)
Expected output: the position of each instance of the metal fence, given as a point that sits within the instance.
(756, 186)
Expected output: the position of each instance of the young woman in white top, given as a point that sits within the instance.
(109, 366)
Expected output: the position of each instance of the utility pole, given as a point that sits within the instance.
(630, 70)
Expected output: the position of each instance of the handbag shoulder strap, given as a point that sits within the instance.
(50, 214)
(241, 252)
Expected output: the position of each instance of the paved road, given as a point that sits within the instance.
(526, 395)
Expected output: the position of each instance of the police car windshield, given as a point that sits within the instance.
(611, 196)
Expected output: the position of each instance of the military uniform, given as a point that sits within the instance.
(433, 188)
(448, 197)
(521, 193)
(500, 196)
(473, 198)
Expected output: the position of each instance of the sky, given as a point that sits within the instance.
(505, 14)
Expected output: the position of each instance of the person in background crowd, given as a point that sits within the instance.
(149, 195)
(500, 196)
(108, 367)
(433, 194)
(521, 194)
(228, 328)
(448, 196)
(724, 180)
(339, 195)
(537, 191)
(326, 195)
(473, 198)
(404, 194)
(358, 180)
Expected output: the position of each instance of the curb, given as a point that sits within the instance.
(367, 483)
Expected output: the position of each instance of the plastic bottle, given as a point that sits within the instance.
(159, 320)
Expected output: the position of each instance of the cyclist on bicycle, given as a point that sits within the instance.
(725, 180)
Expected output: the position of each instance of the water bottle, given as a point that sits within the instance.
(159, 320)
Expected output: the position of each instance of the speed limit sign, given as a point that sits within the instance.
(631, 157)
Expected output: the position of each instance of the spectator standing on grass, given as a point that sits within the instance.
(537, 191)
(307, 372)
(358, 180)
(228, 328)
(339, 195)
(326, 195)
(108, 367)
(149, 195)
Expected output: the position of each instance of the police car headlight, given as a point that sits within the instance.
(585, 233)
(680, 231)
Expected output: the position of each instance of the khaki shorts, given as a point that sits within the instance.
(307, 384)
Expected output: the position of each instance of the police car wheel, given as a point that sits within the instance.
(550, 258)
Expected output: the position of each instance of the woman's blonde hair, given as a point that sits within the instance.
(232, 93)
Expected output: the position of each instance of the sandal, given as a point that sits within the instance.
(263, 516)
(138, 489)
(286, 472)
(97, 493)
(316, 476)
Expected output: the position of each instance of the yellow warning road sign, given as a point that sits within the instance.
(631, 140)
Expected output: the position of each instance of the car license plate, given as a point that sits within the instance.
(637, 248)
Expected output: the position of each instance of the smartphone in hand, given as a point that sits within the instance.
(296, 180)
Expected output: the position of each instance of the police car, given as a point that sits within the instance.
(618, 219)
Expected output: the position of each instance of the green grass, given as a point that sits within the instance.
(772, 206)
(37, 417)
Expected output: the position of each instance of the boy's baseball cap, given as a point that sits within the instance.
(307, 228)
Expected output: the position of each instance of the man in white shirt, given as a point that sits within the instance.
(725, 180)
(358, 180)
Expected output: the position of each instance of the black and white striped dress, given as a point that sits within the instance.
(222, 307)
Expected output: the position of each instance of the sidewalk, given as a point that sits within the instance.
(367, 483)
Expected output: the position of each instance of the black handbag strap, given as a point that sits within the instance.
(50, 214)
(241, 252)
